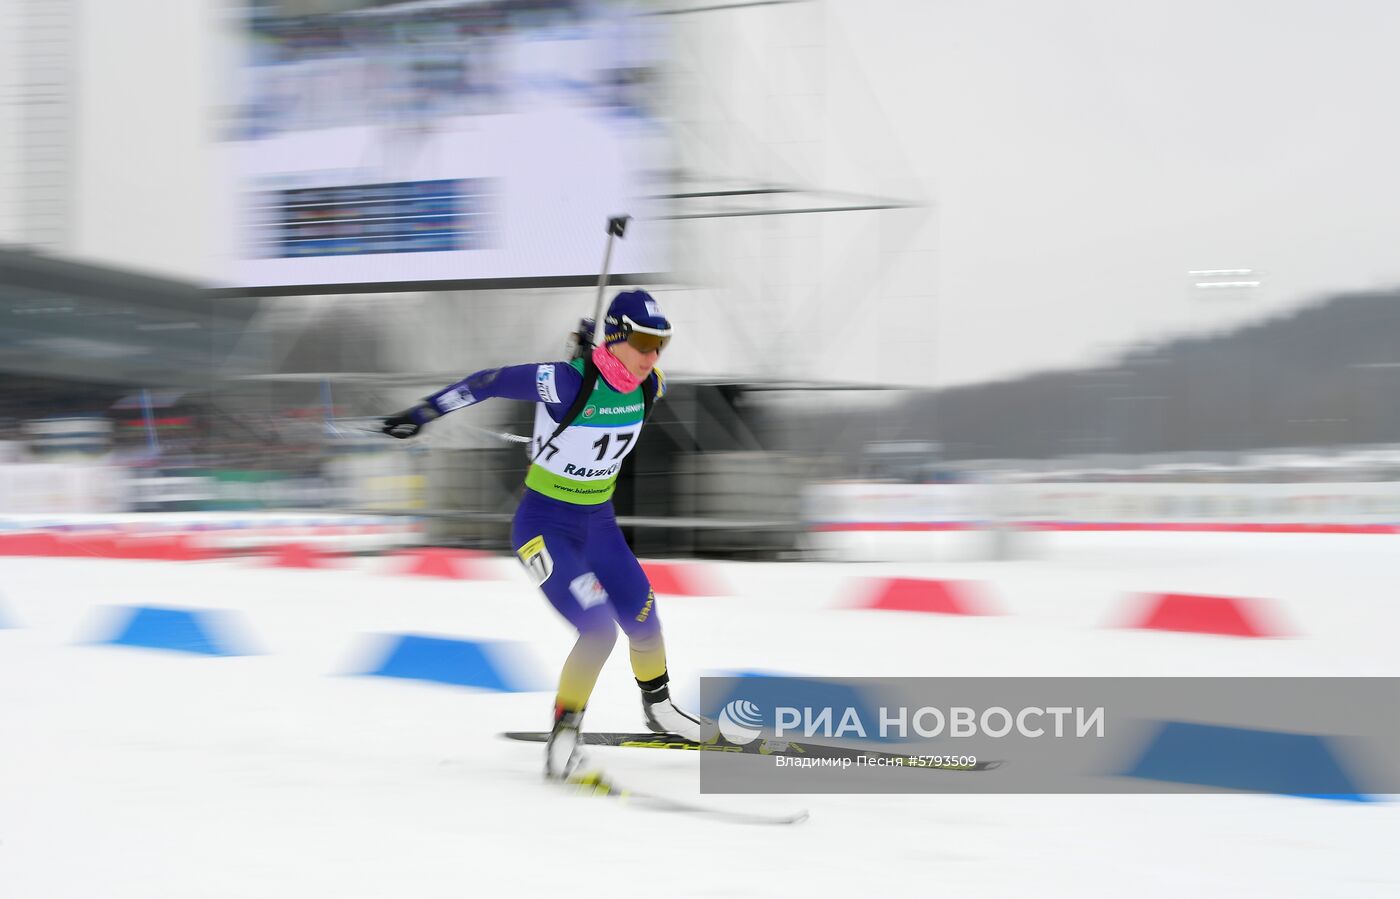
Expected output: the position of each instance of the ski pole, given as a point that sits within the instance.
(617, 227)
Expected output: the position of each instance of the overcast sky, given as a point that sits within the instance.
(1083, 155)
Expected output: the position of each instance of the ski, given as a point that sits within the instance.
(595, 783)
(758, 747)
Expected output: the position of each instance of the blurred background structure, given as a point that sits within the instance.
(233, 233)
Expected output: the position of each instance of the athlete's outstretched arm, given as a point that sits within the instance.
(553, 383)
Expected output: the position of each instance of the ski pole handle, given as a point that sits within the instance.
(617, 227)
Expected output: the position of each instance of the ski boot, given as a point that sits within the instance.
(562, 758)
(661, 714)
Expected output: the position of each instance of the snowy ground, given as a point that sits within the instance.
(131, 773)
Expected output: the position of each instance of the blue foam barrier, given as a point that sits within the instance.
(1237, 758)
(769, 690)
(199, 631)
(489, 665)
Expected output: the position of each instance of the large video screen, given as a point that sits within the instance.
(445, 140)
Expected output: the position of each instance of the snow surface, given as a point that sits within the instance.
(129, 773)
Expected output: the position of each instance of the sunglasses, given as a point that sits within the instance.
(643, 339)
(645, 343)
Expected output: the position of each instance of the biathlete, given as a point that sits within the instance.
(589, 416)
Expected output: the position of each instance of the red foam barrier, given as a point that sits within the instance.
(681, 579)
(87, 546)
(1193, 614)
(30, 544)
(170, 548)
(298, 555)
(454, 564)
(183, 548)
(100, 546)
(939, 597)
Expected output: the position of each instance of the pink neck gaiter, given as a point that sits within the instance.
(612, 369)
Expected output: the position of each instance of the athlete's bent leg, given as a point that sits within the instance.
(633, 602)
(552, 555)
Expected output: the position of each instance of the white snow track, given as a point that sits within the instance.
(131, 773)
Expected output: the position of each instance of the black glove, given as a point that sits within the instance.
(409, 422)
